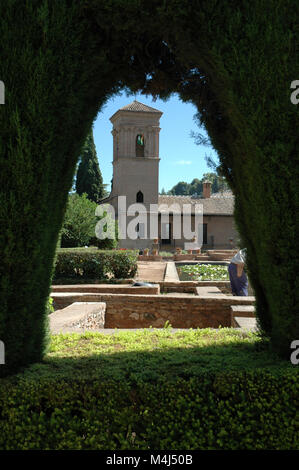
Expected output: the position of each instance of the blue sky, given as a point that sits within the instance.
(181, 158)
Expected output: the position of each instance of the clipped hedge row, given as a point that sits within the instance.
(96, 264)
(235, 410)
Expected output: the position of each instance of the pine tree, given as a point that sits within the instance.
(89, 177)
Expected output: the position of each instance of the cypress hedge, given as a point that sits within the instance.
(62, 60)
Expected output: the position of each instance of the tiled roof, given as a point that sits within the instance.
(227, 193)
(211, 206)
(137, 106)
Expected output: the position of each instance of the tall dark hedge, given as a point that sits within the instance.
(89, 178)
(62, 60)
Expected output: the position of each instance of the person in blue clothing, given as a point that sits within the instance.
(237, 275)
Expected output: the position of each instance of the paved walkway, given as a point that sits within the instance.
(171, 274)
(151, 271)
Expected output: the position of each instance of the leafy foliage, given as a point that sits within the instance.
(79, 222)
(196, 186)
(50, 306)
(95, 264)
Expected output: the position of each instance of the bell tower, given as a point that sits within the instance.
(136, 159)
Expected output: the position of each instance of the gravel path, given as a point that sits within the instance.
(92, 321)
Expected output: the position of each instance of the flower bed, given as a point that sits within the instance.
(203, 272)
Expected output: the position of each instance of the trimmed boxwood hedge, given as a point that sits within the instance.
(97, 264)
(232, 410)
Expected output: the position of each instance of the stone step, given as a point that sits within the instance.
(208, 290)
(246, 323)
(62, 321)
(243, 311)
(219, 258)
(228, 252)
(107, 288)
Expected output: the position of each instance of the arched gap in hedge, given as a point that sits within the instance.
(234, 63)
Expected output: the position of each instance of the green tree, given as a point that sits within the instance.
(195, 187)
(89, 177)
(79, 222)
(218, 182)
(180, 189)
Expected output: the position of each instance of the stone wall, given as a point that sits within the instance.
(190, 286)
(143, 311)
(179, 311)
(108, 288)
(184, 257)
(63, 296)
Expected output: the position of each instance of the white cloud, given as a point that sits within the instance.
(183, 162)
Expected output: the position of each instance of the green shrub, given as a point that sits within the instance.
(50, 308)
(233, 410)
(109, 230)
(96, 264)
(166, 254)
(124, 264)
(79, 221)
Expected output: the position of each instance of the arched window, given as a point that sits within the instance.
(139, 197)
(140, 145)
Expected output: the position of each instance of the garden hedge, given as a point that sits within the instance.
(62, 60)
(97, 264)
(232, 410)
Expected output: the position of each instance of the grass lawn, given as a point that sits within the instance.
(154, 354)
